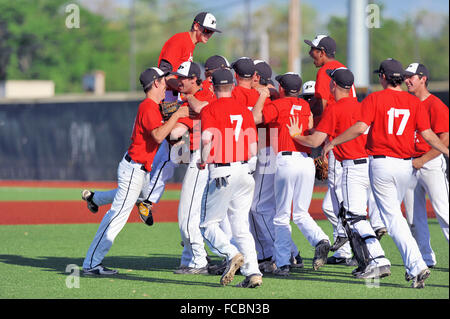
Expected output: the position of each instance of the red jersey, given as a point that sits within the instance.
(337, 118)
(246, 97)
(233, 130)
(322, 87)
(143, 147)
(193, 122)
(438, 114)
(178, 49)
(207, 85)
(394, 116)
(280, 112)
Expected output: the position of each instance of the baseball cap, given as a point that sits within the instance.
(309, 88)
(417, 68)
(342, 76)
(244, 67)
(207, 20)
(188, 70)
(390, 67)
(264, 71)
(216, 62)
(323, 42)
(151, 74)
(291, 82)
(222, 77)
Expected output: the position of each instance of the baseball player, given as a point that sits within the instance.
(294, 175)
(148, 132)
(263, 206)
(322, 51)
(229, 140)
(336, 118)
(193, 258)
(429, 167)
(393, 116)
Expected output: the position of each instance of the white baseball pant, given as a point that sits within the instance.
(189, 210)
(233, 200)
(331, 204)
(294, 185)
(431, 179)
(356, 192)
(130, 182)
(389, 179)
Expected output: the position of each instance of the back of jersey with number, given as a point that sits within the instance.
(233, 130)
(393, 116)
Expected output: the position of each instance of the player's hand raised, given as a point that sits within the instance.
(263, 91)
(294, 129)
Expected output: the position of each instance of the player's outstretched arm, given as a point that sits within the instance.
(351, 133)
(257, 109)
(434, 141)
(195, 104)
(431, 154)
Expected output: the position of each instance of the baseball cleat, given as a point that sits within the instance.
(339, 242)
(251, 281)
(87, 196)
(145, 212)
(380, 232)
(267, 266)
(191, 271)
(373, 271)
(321, 253)
(297, 261)
(232, 266)
(99, 270)
(419, 281)
(218, 269)
(282, 271)
(341, 261)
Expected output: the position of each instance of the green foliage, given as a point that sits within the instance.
(36, 44)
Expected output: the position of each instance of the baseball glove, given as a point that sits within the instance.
(168, 108)
(321, 164)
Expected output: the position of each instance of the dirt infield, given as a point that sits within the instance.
(75, 212)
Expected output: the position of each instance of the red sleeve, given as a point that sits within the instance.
(188, 121)
(367, 113)
(327, 123)
(439, 117)
(173, 51)
(322, 87)
(270, 113)
(422, 118)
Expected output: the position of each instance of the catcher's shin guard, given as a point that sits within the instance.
(357, 243)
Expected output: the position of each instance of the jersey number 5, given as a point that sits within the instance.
(393, 113)
(237, 129)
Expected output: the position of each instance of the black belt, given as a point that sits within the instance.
(360, 161)
(286, 153)
(384, 156)
(228, 164)
(129, 159)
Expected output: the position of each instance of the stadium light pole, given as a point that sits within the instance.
(294, 31)
(132, 27)
(358, 44)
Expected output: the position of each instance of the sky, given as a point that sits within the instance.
(393, 8)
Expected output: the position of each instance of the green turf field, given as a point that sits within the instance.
(33, 261)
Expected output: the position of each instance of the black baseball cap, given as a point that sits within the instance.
(244, 67)
(264, 70)
(391, 68)
(342, 76)
(222, 77)
(323, 42)
(216, 62)
(207, 20)
(290, 82)
(151, 74)
(417, 68)
(188, 70)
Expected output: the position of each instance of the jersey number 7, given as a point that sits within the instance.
(237, 129)
(393, 113)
